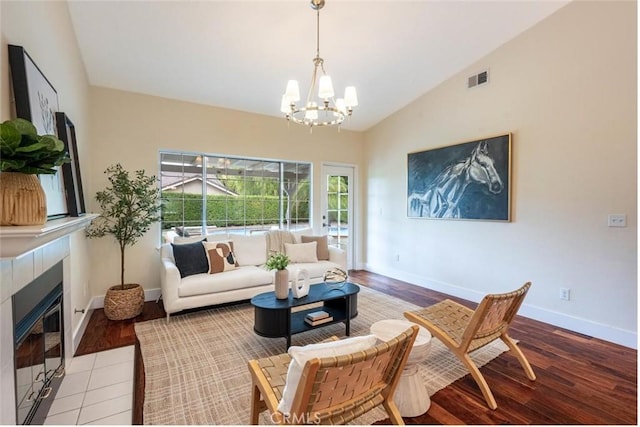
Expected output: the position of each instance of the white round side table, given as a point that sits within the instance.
(411, 395)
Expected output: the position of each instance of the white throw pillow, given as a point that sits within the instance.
(300, 356)
(250, 250)
(301, 252)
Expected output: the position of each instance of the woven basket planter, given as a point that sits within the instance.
(22, 199)
(124, 304)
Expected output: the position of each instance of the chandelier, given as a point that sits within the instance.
(323, 110)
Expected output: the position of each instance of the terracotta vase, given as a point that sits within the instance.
(282, 284)
(22, 198)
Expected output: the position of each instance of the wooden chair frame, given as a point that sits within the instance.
(464, 330)
(333, 390)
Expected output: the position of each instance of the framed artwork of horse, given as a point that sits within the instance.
(471, 180)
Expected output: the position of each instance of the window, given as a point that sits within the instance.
(210, 194)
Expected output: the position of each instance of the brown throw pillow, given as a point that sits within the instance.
(220, 256)
(322, 247)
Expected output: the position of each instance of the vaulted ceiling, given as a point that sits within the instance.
(240, 54)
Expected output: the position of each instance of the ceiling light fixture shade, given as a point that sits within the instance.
(327, 111)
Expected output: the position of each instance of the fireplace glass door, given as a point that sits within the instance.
(53, 342)
(30, 370)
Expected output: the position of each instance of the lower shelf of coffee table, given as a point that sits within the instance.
(299, 325)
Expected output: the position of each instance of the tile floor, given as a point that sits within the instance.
(97, 389)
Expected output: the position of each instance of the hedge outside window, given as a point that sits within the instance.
(209, 194)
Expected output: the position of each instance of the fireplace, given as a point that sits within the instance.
(38, 330)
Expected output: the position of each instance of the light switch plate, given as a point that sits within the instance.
(617, 220)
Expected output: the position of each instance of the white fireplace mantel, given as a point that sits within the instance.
(17, 240)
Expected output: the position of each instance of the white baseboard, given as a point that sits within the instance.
(580, 325)
(149, 295)
(81, 327)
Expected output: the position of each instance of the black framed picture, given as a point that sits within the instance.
(36, 100)
(71, 171)
(471, 180)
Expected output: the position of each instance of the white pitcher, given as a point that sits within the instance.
(300, 283)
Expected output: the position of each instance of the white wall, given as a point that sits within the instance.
(44, 29)
(566, 89)
(131, 129)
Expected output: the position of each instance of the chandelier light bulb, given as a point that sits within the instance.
(325, 89)
(285, 105)
(293, 91)
(312, 111)
(350, 96)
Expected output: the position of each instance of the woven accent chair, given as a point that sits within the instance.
(464, 330)
(333, 390)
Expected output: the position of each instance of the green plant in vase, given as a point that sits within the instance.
(279, 262)
(22, 150)
(23, 155)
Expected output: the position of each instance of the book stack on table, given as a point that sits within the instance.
(318, 318)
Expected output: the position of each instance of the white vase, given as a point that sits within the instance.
(282, 284)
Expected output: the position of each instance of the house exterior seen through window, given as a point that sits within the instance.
(207, 194)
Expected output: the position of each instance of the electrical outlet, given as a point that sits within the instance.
(565, 294)
(397, 257)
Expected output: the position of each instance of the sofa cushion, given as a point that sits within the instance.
(315, 269)
(191, 239)
(322, 248)
(220, 256)
(190, 258)
(297, 234)
(301, 355)
(250, 250)
(301, 252)
(239, 278)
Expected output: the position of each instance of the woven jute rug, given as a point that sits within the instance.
(196, 366)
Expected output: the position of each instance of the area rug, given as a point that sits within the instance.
(196, 366)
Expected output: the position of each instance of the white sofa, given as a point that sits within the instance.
(248, 279)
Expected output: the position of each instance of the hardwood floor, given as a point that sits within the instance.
(581, 380)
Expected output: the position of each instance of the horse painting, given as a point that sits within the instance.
(465, 187)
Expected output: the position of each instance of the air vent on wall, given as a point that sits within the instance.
(478, 79)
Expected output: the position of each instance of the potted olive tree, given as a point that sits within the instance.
(129, 206)
(23, 156)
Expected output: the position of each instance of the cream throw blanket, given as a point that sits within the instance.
(276, 240)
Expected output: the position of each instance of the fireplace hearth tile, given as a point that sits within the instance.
(113, 357)
(69, 418)
(74, 383)
(82, 363)
(66, 404)
(112, 374)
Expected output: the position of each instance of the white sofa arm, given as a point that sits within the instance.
(339, 256)
(169, 283)
(170, 236)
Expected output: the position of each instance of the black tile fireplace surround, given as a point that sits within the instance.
(39, 345)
